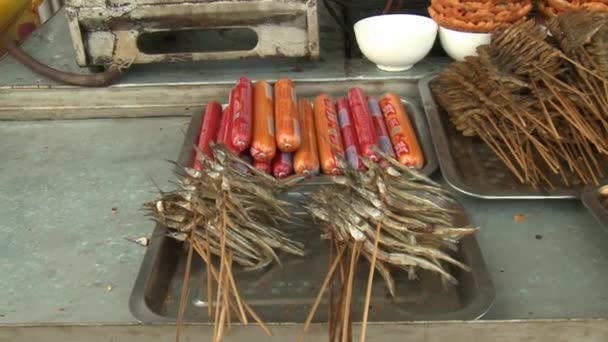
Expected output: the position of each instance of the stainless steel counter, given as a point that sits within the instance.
(70, 192)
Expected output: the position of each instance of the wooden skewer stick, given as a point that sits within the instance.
(326, 281)
(337, 315)
(257, 319)
(220, 287)
(228, 291)
(349, 289)
(370, 283)
(250, 311)
(236, 295)
(209, 280)
(331, 290)
(184, 295)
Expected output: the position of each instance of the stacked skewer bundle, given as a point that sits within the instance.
(551, 8)
(540, 104)
(479, 16)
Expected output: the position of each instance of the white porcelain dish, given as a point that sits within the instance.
(396, 42)
(459, 45)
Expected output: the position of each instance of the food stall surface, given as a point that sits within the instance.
(71, 193)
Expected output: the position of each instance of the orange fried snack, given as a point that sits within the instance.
(479, 16)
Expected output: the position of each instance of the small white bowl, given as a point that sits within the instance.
(459, 45)
(396, 42)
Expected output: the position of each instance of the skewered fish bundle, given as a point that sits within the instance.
(393, 217)
(234, 215)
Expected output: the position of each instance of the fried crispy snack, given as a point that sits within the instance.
(546, 11)
(479, 16)
(571, 5)
(484, 26)
(552, 8)
(499, 12)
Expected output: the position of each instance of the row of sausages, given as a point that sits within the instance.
(282, 135)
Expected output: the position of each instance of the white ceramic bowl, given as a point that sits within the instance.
(459, 45)
(396, 42)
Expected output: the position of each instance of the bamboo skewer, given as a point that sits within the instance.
(248, 309)
(332, 309)
(349, 290)
(324, 285)
(235, 291)
(184, 294)
(209, 280)
(370, 283)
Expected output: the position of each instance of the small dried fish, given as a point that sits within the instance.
(236, 216)
(413, 219)
(253, 211)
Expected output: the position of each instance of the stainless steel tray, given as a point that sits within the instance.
(469, 166)
(595, 203)
(285, 294)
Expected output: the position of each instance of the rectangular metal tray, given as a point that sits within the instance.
(595, 203)
(470, 166)
(285, 294)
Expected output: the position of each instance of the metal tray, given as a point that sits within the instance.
(285, 294)
(470, 167)
(595, 203)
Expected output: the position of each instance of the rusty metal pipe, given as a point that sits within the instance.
(102, 79)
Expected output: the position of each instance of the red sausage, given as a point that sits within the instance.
(282, 165)
(329, 139)
(224, 134)
(286, 116)
(349, 137)
(221, 134)
(263, 144)
(403, 135)
(364, 125)
(263, 166)
(242, 114)
(384, 140)
(209, 130)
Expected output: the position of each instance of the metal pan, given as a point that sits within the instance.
(469, 166)
(282, 295)
(596, 202)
